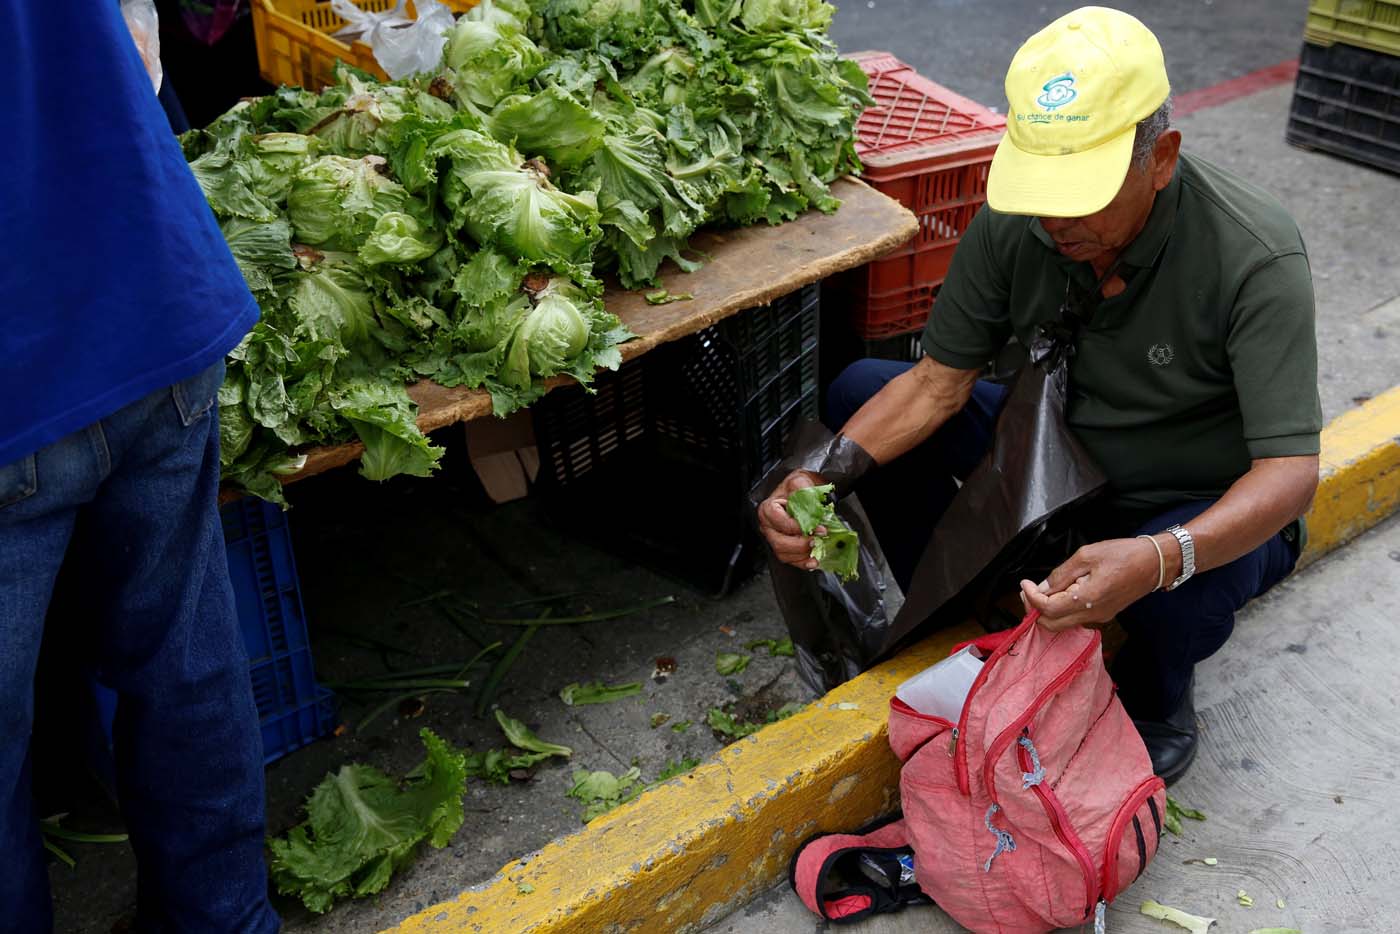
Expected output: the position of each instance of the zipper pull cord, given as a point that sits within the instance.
(1100, 925)
(953, 743)
(1005, 843)
(1037, 773)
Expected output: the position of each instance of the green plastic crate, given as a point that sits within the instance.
(1370, 24)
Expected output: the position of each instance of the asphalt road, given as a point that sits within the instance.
(967, 44)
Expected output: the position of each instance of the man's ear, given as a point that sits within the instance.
(1164, 156)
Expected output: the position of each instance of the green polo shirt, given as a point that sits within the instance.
(1206, 361)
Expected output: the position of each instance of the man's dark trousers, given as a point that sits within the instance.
(1168, 633)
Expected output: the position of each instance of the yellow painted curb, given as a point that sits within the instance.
(689, 852)
(1360, 483)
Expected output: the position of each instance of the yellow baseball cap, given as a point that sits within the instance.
(1077, 90)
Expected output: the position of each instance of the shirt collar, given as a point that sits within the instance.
(1148, 244)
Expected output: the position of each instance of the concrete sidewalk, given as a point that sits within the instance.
(1296, 774)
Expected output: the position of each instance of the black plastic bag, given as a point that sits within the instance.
(1014, 516)
(838, 629)
(1003, 518)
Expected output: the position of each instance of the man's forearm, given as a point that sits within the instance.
(909, 409)
(1272, 494)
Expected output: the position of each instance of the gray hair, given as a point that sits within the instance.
(1149, 130)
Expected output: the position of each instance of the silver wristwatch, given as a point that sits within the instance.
(1188, 556)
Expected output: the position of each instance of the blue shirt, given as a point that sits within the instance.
(114, 278)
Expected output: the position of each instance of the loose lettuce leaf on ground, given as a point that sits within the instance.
(362, 826)
(495, 765)
(1182, 919)
(596, 692)
(522, 737)
(731, 663)
(602, 791)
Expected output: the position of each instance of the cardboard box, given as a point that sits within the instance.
(503, 454)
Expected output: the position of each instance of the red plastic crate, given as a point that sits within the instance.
(930, 150)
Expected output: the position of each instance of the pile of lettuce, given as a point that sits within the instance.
(454, 225)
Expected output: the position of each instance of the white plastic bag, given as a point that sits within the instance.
(940, 690)
(144, 25)
(401, 45)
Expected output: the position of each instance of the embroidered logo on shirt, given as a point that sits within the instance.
(1160, 354)
(1059, 91)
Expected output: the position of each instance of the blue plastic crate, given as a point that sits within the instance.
(293, 709)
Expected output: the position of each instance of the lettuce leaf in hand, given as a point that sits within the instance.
(838, 550)
(362, 826)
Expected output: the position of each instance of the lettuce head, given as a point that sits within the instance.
(336, 201)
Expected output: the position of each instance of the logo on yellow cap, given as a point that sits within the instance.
(1059, 91)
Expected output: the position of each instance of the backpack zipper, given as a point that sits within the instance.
(1144, 792)
(1059, 822)
(1005, 737)
(960, 765)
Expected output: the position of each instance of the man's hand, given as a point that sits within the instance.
(1095, 584)
(781, 530)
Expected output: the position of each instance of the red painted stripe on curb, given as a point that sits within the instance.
(1235, 88)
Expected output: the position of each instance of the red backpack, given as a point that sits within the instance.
(1032, 812)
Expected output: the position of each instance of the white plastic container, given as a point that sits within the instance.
(941, 689)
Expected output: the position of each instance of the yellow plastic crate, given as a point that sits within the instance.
(1370, 24)
(295, 46)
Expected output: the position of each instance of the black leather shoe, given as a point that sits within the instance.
(1172, 742)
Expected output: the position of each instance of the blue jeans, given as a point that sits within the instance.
(1168, 633)
(129, 507)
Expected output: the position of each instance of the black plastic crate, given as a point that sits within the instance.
(1347, 102)
(698, 420)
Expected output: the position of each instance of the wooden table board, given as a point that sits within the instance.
(746, 267)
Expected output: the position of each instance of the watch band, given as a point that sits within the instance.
(1188, 555)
